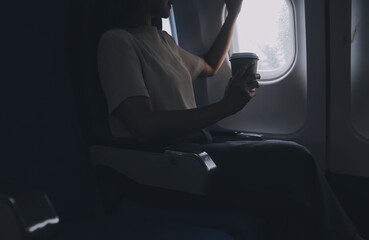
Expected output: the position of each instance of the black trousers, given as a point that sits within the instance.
(281, 181)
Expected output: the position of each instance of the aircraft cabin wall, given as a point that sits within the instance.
(283, 107)
(302, 101)
(349, 70)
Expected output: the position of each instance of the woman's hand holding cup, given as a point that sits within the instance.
(241, 88)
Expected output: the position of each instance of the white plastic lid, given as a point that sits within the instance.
(243, 55)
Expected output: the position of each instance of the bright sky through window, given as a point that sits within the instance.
(266, 27)
(169, 25)
(166, 26)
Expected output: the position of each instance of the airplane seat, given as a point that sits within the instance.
(144, 175)
(132, 159)
(45, 175)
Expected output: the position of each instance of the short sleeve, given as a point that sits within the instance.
(120, 69)
(193, 63)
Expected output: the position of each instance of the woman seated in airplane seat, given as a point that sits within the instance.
(147, 81)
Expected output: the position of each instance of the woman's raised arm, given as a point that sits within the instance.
(217, 52)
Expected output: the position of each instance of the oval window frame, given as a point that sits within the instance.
(271, 76)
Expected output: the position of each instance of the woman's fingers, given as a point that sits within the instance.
(244, 81)
(253, 84)
(233, 6)
(252, 77)
(242, 71)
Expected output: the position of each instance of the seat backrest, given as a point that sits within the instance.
(82, 46)
(84, 34)
(44, 148)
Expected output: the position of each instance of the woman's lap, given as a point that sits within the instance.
(261, 168)
(276, 177)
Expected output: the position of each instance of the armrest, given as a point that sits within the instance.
(180, 171)
(222, 133)
(26, 215)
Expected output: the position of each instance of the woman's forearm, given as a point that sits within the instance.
(217, 52)
(168, 125)
(173, 124)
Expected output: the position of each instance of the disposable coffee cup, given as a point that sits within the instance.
(239, 60)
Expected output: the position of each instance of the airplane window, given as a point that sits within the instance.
(266, 27)
(169, 25)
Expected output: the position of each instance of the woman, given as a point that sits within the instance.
(147, 81)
